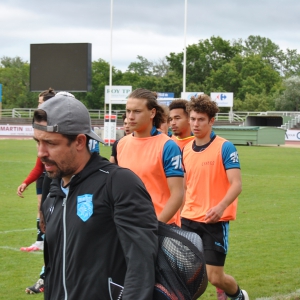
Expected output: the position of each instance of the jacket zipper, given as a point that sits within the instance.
(64, 204)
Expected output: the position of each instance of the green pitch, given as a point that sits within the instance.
(264, 241)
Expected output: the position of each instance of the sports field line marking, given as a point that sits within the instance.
(16, 161)
(282, 297)
(270, 176)
(18, 250)
(17, 230)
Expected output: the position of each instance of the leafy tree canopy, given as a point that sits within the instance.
(256, 70)
(290, 98)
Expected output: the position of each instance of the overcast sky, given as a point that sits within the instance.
(152, 29)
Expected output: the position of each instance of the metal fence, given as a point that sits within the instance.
(28, 113)
(237, 117)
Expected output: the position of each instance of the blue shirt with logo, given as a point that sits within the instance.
(172, 160)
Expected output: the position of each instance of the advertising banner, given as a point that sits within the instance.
(165, 98)
(188, 95)
(292, 135)
(16, 130)
(110, 132)
(222, 99)
(119, 93)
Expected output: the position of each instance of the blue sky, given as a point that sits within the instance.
(151, 29)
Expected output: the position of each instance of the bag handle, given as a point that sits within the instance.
(168, 232)
(108, 183)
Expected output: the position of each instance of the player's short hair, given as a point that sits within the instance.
(203, 104)
(179, 103)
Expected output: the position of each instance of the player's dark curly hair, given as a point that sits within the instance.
(179, 103)
(203, 104)
(151, 98)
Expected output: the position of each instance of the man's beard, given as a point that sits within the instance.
(58, 173)
(53, 175)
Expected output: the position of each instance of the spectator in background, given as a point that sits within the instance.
(113, 158)
(165, 125)
(37, 174)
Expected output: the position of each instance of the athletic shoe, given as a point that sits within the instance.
(38, 287)
(246, 297)
(38, 245)
(221, 294)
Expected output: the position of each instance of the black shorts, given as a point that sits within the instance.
(214, 238)
(39, 184)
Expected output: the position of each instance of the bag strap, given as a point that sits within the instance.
(108, 183)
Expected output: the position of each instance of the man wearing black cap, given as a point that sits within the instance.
(91, 238)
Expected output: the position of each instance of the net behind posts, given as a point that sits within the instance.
(180, 268)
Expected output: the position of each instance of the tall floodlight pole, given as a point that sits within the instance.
(110, 68)
(184, 49)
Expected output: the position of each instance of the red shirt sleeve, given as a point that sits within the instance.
(35, 173)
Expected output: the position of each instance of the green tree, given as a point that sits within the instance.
(258, 76)
(242, 76)
(286, 63)
(290, 63)
(14, 76)
(9, 62)
(157, 76)
(290, 98)
(265, 48)
(161, 67)
(252, 69)
(257, 102)
(203, 58)
(142, 67)
(100, 78)
(227, 78)
(170, 83)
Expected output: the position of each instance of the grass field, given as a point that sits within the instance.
(264, 240)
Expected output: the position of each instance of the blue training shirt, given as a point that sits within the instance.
(230, 155)
(172, 160)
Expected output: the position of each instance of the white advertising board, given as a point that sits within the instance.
(109, 131)
(188, 95)
(222, 99)
(119, 93)
(292, 135)
(110, 122)
(16, 130)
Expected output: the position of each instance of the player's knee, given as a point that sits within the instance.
(215, 278)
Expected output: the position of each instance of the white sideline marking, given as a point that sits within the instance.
(282, 297)
(18, 250)
(17, 230)
(16, 162)
(269, 176)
